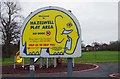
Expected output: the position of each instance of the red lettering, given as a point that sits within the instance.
(36, 44)
(31, 44)
(41, 40)
(48, 40)
(45, 44)
(52, 44)
(40, 44)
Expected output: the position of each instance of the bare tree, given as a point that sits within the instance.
(11, 21)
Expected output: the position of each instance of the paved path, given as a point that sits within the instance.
(103, 71)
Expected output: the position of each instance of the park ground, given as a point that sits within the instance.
(107, 61)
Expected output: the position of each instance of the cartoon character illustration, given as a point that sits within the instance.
(56, 33)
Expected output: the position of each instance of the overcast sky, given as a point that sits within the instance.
(98, 18)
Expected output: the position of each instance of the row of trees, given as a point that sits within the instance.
(95, 46)
(10, 22)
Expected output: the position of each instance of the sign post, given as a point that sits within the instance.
(69, 70)
(32, 67)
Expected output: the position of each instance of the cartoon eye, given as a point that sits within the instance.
(69, 24)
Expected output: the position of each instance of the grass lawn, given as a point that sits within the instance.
(91, 57)
(99, 56)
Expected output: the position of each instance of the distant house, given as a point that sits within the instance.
(89, 48)
(104, 46)
(83, 49)
(96, 47)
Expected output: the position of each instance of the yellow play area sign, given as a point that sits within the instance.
(50, 32)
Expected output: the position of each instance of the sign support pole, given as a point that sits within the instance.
(23, 63)
(14, 62)
(32, 68)
(55, 63)
(69, 67)
(41, 62)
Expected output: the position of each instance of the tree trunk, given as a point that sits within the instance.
(7, 48)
